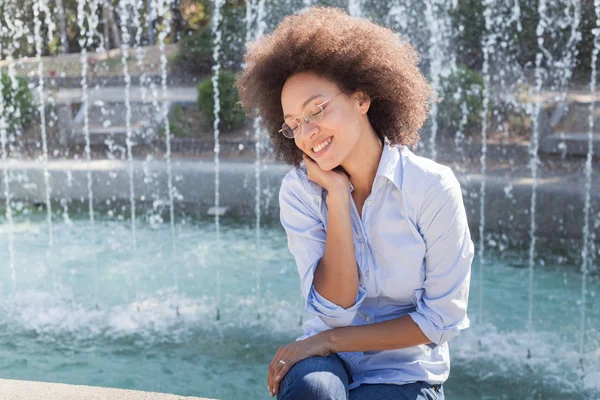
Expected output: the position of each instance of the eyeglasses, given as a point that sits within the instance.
(312, 114)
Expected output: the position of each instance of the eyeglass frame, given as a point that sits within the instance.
(304, 117)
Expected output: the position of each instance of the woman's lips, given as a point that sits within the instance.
(323, 150)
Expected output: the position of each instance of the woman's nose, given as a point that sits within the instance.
(309, 129)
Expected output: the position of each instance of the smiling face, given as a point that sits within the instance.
(330, 140)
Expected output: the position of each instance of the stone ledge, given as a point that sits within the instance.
(574, 143)
(30, 390)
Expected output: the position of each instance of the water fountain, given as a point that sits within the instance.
(116, 256)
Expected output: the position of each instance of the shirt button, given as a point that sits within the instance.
(369, 202)
(353, 358)
(367, 318)
(367, 273)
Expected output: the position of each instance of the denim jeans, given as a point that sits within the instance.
(326, 378)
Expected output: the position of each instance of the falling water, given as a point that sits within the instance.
(136, 5)
(508, 78)
(486, 45)
(125, 39)
(15, 30)
(249, 20)
(260, 29)
(164, 12)
(251, 35)
(435, 61)
(5, 177)
(459, 136)
(18, 28)
(85, 40)
(51, 27)
(406, 18)
(565, 67)
(144, 82)
(216, 22)
(560, 68)
(139, 51)
(355, 8)
(534, 159)
(42, 99)
(586, 251)
(442, 61)
(148, 175)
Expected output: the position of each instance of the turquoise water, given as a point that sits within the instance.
(91, 310)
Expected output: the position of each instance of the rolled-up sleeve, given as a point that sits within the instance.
(441, 304)
(306, 235)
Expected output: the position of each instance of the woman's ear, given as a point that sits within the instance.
(364, 101)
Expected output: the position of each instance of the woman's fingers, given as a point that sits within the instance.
(274, 371)
(285, 368)
(306, 158)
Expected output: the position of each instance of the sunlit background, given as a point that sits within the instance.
(140, 244)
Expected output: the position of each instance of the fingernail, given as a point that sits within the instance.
(277, 379)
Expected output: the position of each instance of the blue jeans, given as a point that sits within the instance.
(326, 378)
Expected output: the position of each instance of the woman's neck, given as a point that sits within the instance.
(362, 163)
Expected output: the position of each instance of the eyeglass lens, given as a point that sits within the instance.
(312, 113)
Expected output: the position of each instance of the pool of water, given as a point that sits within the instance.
(90, 309)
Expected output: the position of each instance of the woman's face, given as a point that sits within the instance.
(330, 140)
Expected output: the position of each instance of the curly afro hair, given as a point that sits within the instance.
(353, 53)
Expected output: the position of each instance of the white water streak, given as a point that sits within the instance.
(586, 251)
(435, 60)
(487, 41)
(85, 39)
(125, 38)
(41, 109)
(260, 29)
(139, 53)
(124, 6)
(164, 12)
(216, 31)
(17, 29)
(533, 154)
(6, 179)
(355, 8)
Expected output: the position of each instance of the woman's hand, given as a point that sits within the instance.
(329, 180)
(317, 345)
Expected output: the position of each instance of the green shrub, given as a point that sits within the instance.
(232, 115)
(175, 121)
(18, 102)
(463, 86)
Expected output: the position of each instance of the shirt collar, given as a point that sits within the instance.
(389, 165)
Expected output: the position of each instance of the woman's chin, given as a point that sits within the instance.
(326, 165)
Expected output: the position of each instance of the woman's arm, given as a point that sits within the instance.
(307, 236)
(392, 334)
(336, 276)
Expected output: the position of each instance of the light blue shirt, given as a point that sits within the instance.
(414, 252)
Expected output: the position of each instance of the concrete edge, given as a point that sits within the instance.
(31, 390)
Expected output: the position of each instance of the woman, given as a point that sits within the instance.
(379, 235)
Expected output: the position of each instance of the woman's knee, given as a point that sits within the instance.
(315, 378)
